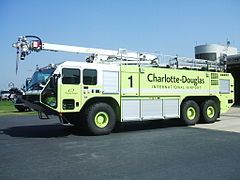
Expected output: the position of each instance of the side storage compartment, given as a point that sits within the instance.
(150, 108)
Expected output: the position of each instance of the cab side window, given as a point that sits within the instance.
(70, 76)
(89, 76)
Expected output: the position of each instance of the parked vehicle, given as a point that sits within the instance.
(4, 95)
(15, 95)
(121, 86)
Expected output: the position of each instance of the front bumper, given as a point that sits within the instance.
(33, 101)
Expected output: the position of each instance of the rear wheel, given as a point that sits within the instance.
(100, 118)
(190, 112)
(209, 111)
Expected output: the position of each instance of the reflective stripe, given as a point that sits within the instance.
(153, 90)
(193, 91)
(214, 91)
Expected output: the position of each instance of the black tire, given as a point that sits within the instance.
(100, 119)
(209, 111)
(190, 112)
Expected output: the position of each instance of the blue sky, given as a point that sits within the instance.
(170, 27)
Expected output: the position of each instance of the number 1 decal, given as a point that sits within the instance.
(131, 81)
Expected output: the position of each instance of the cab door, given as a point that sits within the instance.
(130, 102)
(70, 90)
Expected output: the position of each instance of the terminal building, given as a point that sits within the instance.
(215, 52)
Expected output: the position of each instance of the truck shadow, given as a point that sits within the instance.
(58, 131)
(147, 125)
(38, 131)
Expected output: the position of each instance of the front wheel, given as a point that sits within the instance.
(190, 112)
(100, 118)
(209, 111)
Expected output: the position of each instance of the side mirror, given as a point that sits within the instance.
(27, 83)
(54, 79)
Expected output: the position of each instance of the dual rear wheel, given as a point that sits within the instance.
(191, 112)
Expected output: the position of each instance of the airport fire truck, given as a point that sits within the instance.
(123, 86)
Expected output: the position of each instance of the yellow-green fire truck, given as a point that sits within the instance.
(122, 86)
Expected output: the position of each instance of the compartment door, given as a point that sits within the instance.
(130, 81)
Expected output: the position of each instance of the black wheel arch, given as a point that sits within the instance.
(75, 118)
(108, 100)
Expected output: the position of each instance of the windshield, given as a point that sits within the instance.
(39, 77)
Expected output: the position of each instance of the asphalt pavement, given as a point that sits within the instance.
(43, 149)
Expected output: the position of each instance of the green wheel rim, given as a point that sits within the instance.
(101, 119)
(191, 113)
(210, 112)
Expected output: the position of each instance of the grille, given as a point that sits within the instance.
(214, 76)
(214, 82)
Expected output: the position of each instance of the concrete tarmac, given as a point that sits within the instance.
(229, 121)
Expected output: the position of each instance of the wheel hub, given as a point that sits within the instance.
(101, 119)
(210, 112)
(191, 113)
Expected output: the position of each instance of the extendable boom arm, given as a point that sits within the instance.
(27, 44)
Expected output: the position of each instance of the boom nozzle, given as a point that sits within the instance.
(25, 47)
